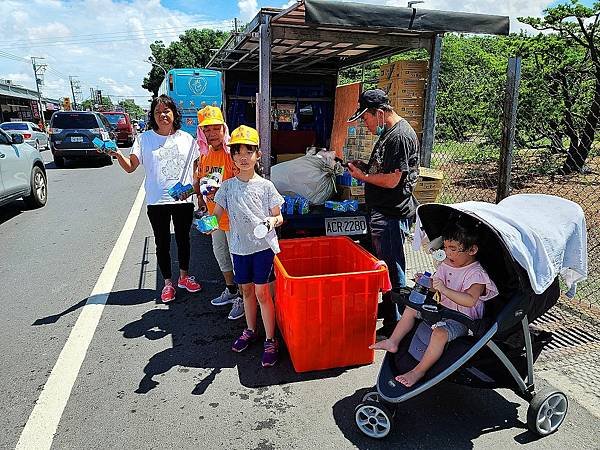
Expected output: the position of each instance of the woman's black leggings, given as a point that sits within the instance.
(160, 219)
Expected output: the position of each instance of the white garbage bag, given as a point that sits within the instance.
(312, 176)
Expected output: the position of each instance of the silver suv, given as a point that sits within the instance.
(22, 172)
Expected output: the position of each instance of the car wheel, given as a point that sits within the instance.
(59, 161)
(39, 189)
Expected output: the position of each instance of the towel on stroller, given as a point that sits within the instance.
(545, 234)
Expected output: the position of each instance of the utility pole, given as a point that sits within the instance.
(38, 71)
(92, 98)
(75, 90)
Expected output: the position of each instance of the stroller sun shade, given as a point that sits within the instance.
(544, 234)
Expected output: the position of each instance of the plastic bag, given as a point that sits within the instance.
(312, 176)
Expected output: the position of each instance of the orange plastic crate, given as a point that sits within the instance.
(326, 301)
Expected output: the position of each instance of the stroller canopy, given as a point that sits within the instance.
(544, 234)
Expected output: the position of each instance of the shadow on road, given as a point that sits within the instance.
(12, 210)
(129, 297)
(446, 416)
(202, 335)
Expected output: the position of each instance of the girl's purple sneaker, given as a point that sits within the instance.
(269, 356)
(241, 343)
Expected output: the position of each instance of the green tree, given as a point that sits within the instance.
(569, 61)
(89, 104)
(134, 110)
(193, 49)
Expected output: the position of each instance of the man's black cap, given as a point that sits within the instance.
(372, 98)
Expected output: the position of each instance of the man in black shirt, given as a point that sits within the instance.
(390, 177)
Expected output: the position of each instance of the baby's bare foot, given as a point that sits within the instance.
(410, 378)
(386, 345)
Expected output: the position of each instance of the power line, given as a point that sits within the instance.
(152, 36)
(97, 35)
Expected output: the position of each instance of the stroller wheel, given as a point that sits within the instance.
(547, 411)
(372, 396)
(373, 419)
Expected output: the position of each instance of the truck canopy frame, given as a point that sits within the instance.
(322, 36)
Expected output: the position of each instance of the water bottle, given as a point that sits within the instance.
(422, 286)
(264, 231)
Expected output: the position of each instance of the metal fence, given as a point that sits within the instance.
(553, 149)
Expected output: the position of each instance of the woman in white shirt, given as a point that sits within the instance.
(168, 155)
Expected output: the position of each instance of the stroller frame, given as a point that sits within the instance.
(520, 305)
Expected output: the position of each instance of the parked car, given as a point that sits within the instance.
(32, 134)
(122, 126)
(22, 172)
(72, 133)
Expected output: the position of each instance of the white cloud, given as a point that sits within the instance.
(248, 9)
(103, 42)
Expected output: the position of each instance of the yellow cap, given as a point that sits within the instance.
(244, 135)
(210, 115)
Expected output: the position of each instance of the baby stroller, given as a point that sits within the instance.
(526, 241)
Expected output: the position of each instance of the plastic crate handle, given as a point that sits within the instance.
(385, 282)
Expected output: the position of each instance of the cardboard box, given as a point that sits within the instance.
(352, 193)
(288, 157)
(429, 185)
(409, 111)
(403, 88)
(404, 69)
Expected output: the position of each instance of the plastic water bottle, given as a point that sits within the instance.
(422, 286)
(264, 231)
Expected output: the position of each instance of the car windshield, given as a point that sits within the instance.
(82, 121)
(115, 118)
(14, 126)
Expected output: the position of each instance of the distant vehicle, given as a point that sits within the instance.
(72, 133)
(136, 125)
(123, 127)
(32, 134)
(22, 172)
(192, 89)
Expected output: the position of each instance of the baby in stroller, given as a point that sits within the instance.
(462, 284)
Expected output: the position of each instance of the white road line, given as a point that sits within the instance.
(42, 423)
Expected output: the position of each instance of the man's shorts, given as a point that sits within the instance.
(256, 268)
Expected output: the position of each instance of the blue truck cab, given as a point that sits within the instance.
(192, 89)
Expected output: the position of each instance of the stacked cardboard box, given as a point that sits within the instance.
(404, 82)
(429, 185)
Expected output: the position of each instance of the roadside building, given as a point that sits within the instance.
(19, 103)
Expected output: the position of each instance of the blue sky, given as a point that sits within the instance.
(105, 42)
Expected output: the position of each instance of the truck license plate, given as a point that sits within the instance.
(345, 226)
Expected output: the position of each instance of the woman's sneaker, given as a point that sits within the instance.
(168, 293)
(270, 353)
(238, 309)
(242, 343)
(225, 298)
(189, 283)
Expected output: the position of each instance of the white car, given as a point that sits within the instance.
(22, 172)
(30, 131)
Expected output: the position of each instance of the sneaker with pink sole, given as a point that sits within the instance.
(189, 284)
(168, 293)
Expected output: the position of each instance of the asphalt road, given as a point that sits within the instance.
(163, 376)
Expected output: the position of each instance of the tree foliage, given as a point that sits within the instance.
(194, 48)
(565, 64)
(134, 110)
